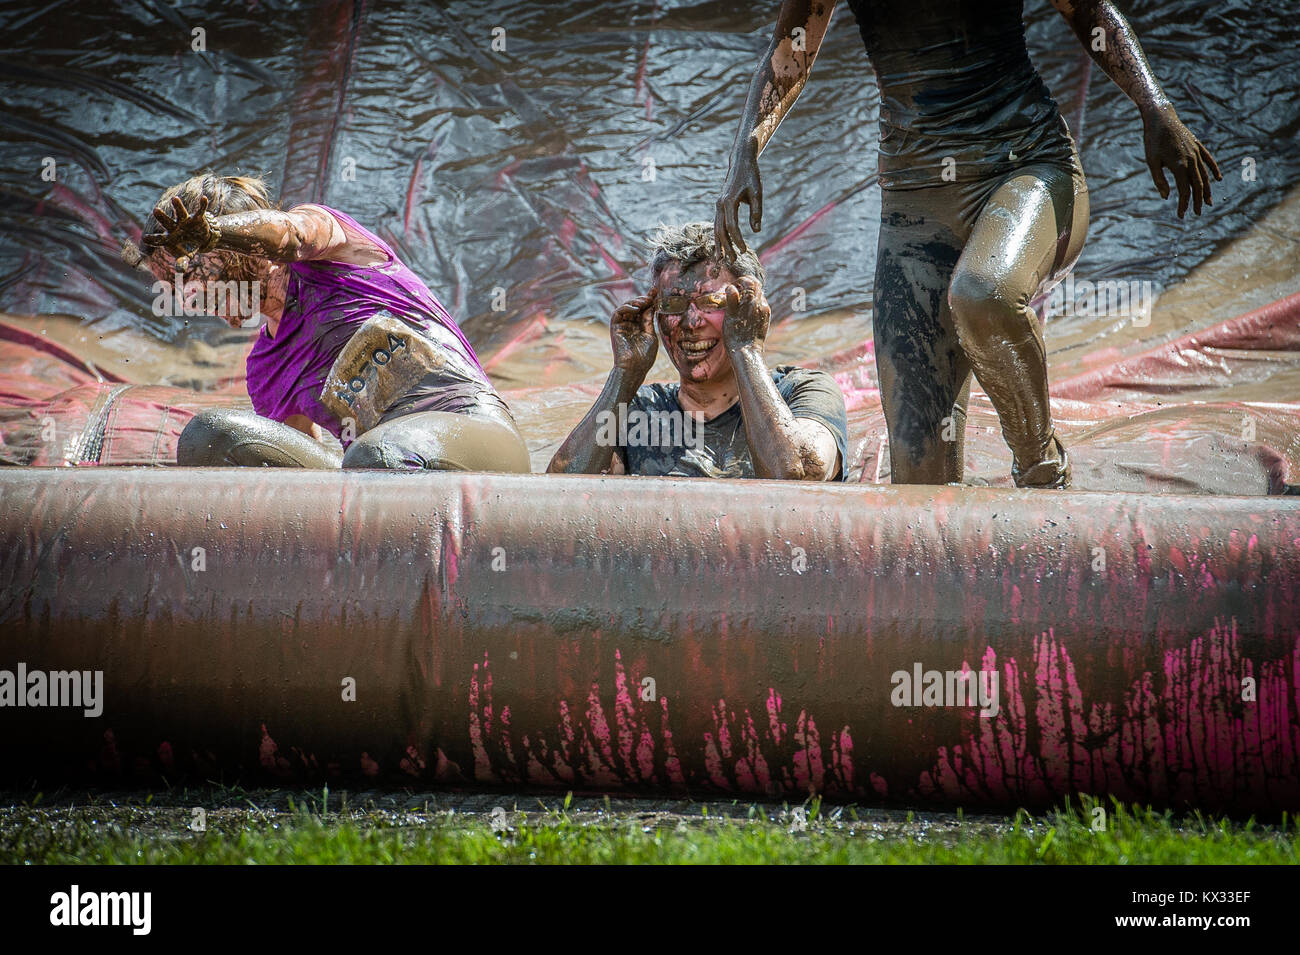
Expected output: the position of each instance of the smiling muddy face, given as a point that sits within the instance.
(690, 310)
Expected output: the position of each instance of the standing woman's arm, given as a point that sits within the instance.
(776, 84)
(1107, 36)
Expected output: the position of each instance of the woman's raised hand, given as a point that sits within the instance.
(632, 334)
(748, 314)
(186, 235)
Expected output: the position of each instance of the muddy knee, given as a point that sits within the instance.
(986, 310)
(208, 438)
(229, 437)
(374, 451)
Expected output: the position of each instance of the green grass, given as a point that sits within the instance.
(100, 834)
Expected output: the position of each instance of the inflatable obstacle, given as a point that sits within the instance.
(949, 646)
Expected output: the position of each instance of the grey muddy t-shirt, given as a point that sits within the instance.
(660, 439)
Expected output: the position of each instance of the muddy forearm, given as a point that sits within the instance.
(776, 443)
(783, 72)
(1110, 40)
(268, 233)
(581, 453)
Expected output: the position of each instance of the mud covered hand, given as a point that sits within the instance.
(186, 235)
(743, 184)
(1171, 145)
(748, 314)
(632, 334)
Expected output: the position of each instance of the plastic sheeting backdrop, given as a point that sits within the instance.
(541, 170)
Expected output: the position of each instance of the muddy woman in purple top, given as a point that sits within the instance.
(353, 341)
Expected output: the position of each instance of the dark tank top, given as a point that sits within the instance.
(956, 83)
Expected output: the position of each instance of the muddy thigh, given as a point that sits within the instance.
(440, 441)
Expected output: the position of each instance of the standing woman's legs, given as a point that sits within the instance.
(1025, 238)
(924, 375)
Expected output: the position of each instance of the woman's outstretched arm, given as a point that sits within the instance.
(1108, 37)
(301, 234)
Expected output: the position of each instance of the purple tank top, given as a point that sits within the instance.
(325, 305)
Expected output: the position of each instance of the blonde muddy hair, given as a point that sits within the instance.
(226, 195)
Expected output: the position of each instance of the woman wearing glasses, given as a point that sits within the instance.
(728, 415)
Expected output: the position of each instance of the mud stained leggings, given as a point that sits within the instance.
(426, 440)
(956, 268)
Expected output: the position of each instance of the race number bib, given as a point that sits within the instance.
(381, 362)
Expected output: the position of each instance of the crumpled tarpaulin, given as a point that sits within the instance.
(56, 410)
(1161, 420)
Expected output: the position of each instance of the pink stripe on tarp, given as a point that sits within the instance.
(1274, 327)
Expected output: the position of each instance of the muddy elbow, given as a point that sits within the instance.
(795, 468)
(293, 244)
(810, 466)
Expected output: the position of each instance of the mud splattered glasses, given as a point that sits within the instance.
(704, 302)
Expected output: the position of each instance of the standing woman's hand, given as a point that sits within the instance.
(1171, 145)
(742, 185)
(776, 84)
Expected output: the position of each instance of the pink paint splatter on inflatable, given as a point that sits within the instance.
(1208, 726)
